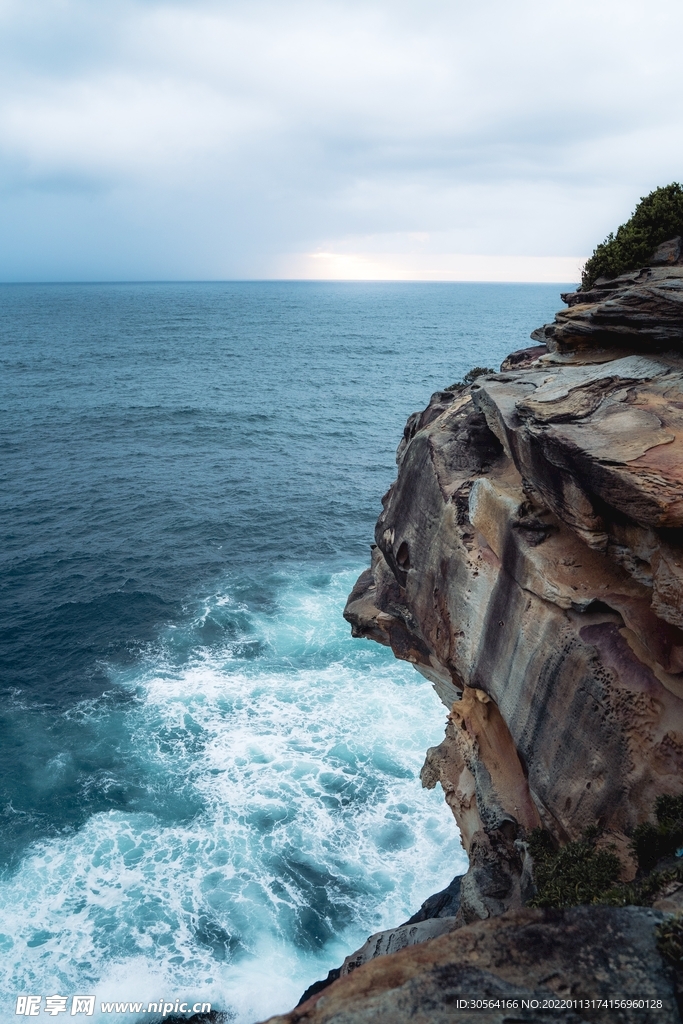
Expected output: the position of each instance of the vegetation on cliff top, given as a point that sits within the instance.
(653, 842)
(576, 873)
(584, 872)
(656, 218)
(670, 940)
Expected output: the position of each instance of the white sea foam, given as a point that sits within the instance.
(300, 825)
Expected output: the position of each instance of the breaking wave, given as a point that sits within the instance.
(276, 815)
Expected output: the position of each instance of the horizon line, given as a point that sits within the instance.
(278, 280)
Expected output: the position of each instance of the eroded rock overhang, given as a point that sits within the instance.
(529, 561)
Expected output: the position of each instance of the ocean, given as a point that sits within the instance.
(208, 790)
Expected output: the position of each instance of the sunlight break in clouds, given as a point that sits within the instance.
(144, 139)
(387, 266)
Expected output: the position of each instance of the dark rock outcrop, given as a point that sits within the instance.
(318, 986)
(421, 927)
(566, 961)
(442, 904)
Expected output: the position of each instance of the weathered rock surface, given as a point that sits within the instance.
(393, 939)
(584, 954)
(642, 309)
(529, 562)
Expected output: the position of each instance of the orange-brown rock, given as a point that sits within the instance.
(529, 561)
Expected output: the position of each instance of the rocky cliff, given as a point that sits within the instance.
(529, 562)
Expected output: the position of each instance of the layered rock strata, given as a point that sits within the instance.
(642, 309)
(529, 561)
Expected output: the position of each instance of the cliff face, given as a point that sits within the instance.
(529, 562)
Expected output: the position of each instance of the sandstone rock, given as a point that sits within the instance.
(587, 953)
(529, 561)
(642, 309)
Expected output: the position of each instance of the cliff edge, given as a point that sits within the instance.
(529, 562)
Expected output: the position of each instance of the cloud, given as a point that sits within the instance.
(420, 266)
(231, 139)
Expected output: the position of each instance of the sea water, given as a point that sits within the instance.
(208, 790)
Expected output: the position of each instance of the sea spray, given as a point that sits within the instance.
(291, 755)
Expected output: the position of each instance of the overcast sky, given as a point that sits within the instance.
(439, 139)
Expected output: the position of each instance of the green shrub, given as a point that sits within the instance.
(642, 893)
(581, 873)
(576, 873)
(656, 218)
(469, 378)
(652, 842)
(670, 939)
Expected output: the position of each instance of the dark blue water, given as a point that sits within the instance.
(206, 787)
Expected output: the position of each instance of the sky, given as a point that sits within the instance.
(338, 139)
